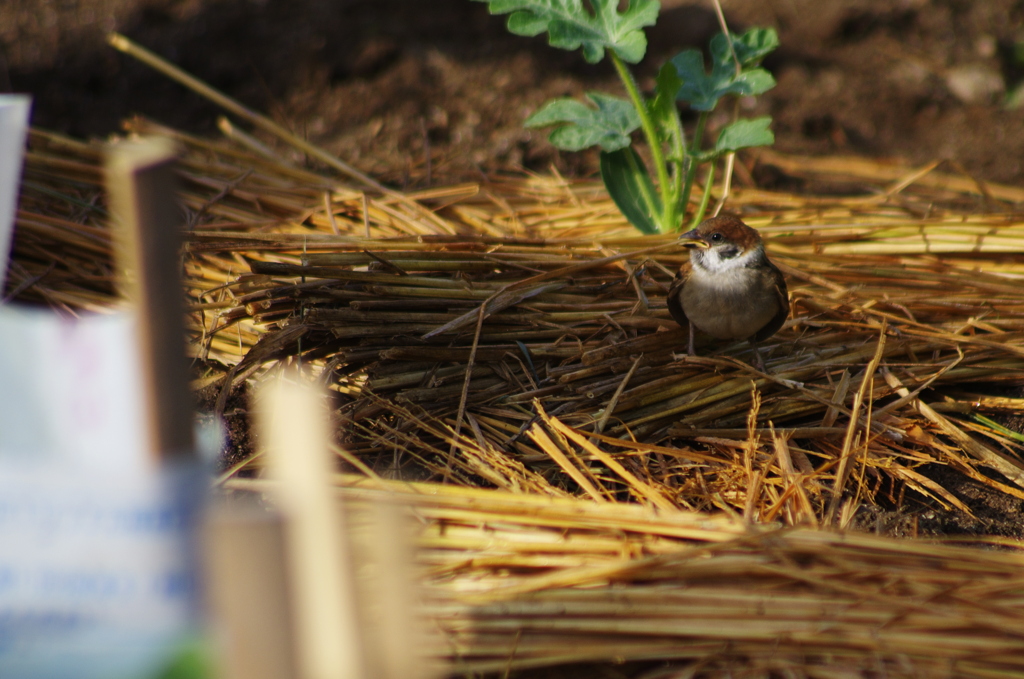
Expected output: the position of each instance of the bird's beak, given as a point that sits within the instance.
(691, 239)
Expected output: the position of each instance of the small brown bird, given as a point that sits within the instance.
(729, 289)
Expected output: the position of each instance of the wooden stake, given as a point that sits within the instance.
(147, 227)
(248, 592)
(292, 421)
(397, 638)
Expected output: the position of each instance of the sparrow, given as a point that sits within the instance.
(729, 289)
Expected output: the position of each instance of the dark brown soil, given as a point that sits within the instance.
(387, 83)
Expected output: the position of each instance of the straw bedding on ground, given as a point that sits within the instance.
(512, 336)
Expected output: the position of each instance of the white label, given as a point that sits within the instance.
(70, 390)
(96, 559)
(96, 575)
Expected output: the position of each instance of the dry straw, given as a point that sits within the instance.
(518, 581)
(519, 339)
(513, 335)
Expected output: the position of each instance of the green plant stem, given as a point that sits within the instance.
(691, 161)
(666, 220)
(698, 216)
(679, 165)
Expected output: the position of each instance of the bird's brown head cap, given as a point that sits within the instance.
(725, 231)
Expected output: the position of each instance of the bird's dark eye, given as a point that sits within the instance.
(716, 237)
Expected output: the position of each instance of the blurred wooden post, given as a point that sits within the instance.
(397, 637)
(14, 109)
(147, 235)
(247, 579)
(282, 585)
(293, 424)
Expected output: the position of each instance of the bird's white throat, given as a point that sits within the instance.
(724, 272)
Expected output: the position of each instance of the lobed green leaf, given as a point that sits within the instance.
(744, 134)
(609, 125)
(703, 90)
(755, 45)
(570, 25)
(751, 48)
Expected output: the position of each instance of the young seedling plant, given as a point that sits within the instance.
(615, 28)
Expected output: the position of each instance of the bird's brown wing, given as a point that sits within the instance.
(674, 299)
(782, 296)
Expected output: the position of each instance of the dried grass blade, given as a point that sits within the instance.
(642, 489)
(541, 438)
(847, 451)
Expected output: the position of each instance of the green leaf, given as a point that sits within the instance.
(755, 45)
(744, 134)
(609, 125)
(697, 87)
(631, 188)
(753, 82)
(751, 48)
(570, 25)
(703, 90)
(1014, 98)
